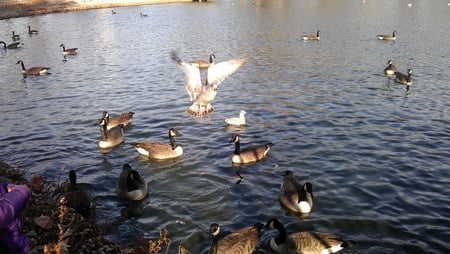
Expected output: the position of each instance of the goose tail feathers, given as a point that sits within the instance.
(199, 111)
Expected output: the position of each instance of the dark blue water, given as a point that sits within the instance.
(377, 157)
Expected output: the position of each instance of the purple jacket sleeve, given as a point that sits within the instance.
(12, 203)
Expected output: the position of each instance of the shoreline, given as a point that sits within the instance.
(41, 7)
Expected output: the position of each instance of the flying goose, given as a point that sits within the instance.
(390, 69)
(404, 79)
(204, 94)
(294, 196)
(131, 185)
(203, 64)
(160, 150)
(303, 242)
(243, 241)
(78, 198)
(311, 37)
(237, 120)
(388, 37)
(110, 138)
(111, 122)
(15, 36)
(71, 51)
(13, 45)
(33, 70)
(250, 154)
(30, 31)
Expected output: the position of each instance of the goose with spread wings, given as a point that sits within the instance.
(203, 94)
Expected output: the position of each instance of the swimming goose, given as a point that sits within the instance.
(78, 198)
(131, 185)
(390, 69)
(160, 150)
(250, 154)
(243, 241)
(203, 95)
(404, 79)
(15, 36)
(111, 122)
(13, 45)
(237, 120)
(30, 31)
(203, 64)
(294, 196)
(311, 37)
(71, 51)
(33, 70)
(388, 37)
(143, 15)
(113, 12)
(303, 242)
(110, 138)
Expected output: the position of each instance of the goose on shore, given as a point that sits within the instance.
(33, 70)
(159, 150)
(131, 185)
(404, 79)
(303, 242)
(311, 37)
(13, 45)
(69, 51)
(204, 94)
(386, 37)
(294, 196)
(390, 69)
(250, 154)
(113, 121)
(237, 120)
(78, 198)
(242, 241)
(31, 31)
(203, 64)
(110, 138)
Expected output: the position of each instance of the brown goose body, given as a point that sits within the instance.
(70, 51)
(34, 71)
(13, 45)
(242, 241)
(110, 138)
(404, 79)
(78, 198)
(250, 154)
(203, 64)
(311, 37)
(294, 196)
(111, 122)
(160, 150)
(390, 69)
(386, 37)
(32, 31)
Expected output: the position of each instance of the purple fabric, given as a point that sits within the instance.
(11, 205)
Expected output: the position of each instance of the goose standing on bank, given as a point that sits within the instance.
(311, 37)
(243, 241)
(294, 196)
(113, 121)
(33, 70)
(303, 242)
(238, 121)
(386, 37)
(390, 69)
(204, 94)
(78, 198)
(110, 138)
(31, 31)
(15, 36)
(70, 51)
(131, 185)
(160, 150)
(250, 154)
(13, 45)
(404, 79)
(203, 64)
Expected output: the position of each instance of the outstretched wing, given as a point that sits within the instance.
(218, 72)
(192, 81)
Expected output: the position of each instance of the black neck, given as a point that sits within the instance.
(215, 245)
(173, 142)
(237, 147)
(281, 238)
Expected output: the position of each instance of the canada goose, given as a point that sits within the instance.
(311, 37)
(203, 64)
(111, 122)
(237, 120)
(404, 79)
(110, 138)
(303, 242)
(160, 150)
(113, 12)
(203, 95)
(143, 15)
(294, 196)
(30, 31)
(388, 37)
(131, 184)
(78, 198)
(15, 36)
(390, 69)
(243, 241)
(250, 154)
(71, 51)
(33, 70)
(13, 45)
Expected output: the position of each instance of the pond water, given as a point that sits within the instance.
(378, 158)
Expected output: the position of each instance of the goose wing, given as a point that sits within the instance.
(192, 80)
(290, 190)
(314, 242)
(220, 71)
(241, 241)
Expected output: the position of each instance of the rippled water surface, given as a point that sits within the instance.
(378, 158)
